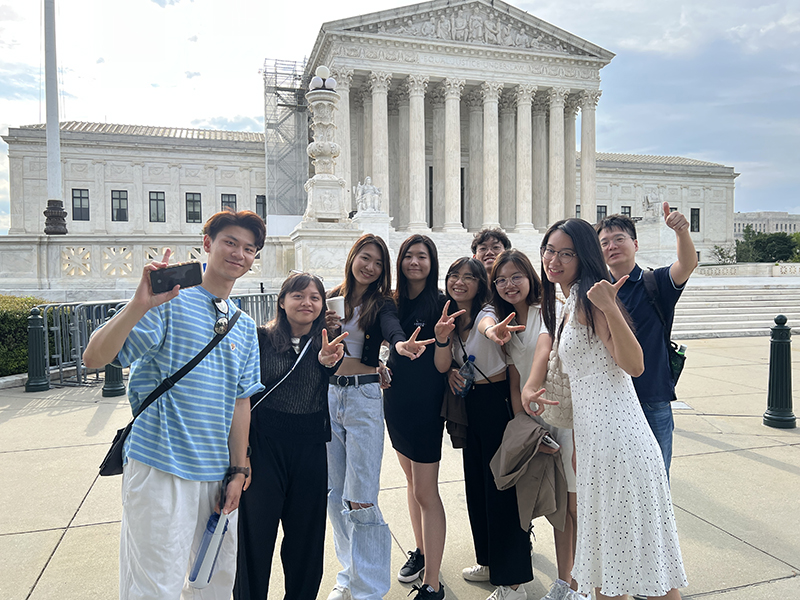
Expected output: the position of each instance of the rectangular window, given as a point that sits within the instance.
(625, 211)
(602, 212)
(261, 207)
(695, 222)
(80, 205)
(158, 208)
(229, 202)
(577, 211)
(119, 205)
(194, 212)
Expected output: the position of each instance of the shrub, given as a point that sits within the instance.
(14, 313)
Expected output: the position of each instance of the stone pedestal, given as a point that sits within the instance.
(657, 243)
(374, 222)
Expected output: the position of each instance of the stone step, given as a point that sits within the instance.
(727, 323)
(745, 311)
(699, 334)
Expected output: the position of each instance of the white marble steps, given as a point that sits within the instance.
(713, 311)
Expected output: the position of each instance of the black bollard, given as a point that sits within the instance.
(38, 376)
(113, 384)
(779, 396)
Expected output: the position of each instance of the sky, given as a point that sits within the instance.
(716, 80)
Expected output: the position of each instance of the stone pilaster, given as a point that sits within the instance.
(417, 193)
(394, 154)
(452, 157)
(437, 97)
(401, 200)
(589, 100)
(524, 196)
(100, 208)
(539, 150)
(344, 78)
(508, 153)
(570, 155)
(379, 85)
(555, 206)
(491, 174)
(474, 217)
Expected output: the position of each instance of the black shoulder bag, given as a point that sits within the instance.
(112, 463)
(495, 387)
(676, 357)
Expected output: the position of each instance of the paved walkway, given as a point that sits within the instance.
(735, 484)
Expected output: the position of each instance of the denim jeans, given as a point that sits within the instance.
(659, 416)
(361, 537)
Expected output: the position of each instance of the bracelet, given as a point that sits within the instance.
(236, 470)
(485, 331)
(442, 345)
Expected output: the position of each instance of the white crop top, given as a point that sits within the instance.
(354, 342)
(489, 357)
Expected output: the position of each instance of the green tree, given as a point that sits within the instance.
(744, 247)
(774, 247)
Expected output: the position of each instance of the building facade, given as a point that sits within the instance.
(765, 222)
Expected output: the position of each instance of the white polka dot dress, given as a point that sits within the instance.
(627, 538)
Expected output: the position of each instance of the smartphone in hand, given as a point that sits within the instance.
(186, 275)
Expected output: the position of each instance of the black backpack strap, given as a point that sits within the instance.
(650, 287)
(179, 374)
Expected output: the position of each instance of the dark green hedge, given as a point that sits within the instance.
(14, 313)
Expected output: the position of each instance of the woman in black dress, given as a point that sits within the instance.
(412, 406)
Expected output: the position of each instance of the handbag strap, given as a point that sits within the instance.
(179, 374)
(282, 379)
(495, 387)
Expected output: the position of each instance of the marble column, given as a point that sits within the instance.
(394, 154)
(475, 107)
(357, 146)
(341, 118)
(508, 166)
(452, 154)
(366, 144)
(524, 217)
(417, 194)
(555, 206)
(379, 85)
(570, 150)
(401, 199)
(589, 100)
(437, 97)
(539, 127)
(491, 174)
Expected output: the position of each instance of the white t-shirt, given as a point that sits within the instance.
(522, 346)
(489, 357)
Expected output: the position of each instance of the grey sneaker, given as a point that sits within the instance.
(476, 573)
(340, 593)
(504, 592)
(558, 591)
(414, 566)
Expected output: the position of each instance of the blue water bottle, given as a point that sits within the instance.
(467, 371)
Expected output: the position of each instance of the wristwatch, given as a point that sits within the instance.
(235, 470)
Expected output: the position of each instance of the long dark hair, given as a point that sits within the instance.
(429, 297)
(591, 269)
(279, 330)
(520, 260)
(481, 297)
(378, 291)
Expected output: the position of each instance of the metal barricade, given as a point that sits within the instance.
(261, 307)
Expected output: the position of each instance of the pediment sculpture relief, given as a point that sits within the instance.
(474, 25)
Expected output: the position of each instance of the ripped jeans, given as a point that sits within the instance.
(361, 537)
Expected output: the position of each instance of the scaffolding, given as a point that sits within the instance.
(285, 136)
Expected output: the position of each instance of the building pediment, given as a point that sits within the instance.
(470, 23)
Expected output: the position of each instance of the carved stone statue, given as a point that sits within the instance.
(368, 196)
(651, 206)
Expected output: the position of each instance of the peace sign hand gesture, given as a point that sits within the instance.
(603, 294)
(501, 332)
(331, 352)
(412, 348)
(445, 325)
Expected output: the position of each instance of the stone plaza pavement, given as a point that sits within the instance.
(735, 485)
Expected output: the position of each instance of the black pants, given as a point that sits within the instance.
(500, 543)
(290, 486)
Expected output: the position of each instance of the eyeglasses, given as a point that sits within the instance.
(565, 256)
(221, 306)
(296, 272)
(617, 239)
(502, 282)
(465, 279)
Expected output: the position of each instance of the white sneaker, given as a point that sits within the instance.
(476, 573)
(505, 592)
(339, 593)
(559, 591)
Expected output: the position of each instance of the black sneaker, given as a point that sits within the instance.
(413, 567)
(426, 592)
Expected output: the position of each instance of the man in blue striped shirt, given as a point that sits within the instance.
(185, 443)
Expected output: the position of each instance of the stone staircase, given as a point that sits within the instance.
(712, 310)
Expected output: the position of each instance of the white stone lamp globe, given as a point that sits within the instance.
(316, 83)
(330, 83)
(323, 72)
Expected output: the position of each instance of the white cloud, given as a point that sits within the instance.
(193, 38)
(191, 74)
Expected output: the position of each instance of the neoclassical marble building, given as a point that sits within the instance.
(462, 112)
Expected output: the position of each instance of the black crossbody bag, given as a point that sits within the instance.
(495, 387)
(112, 463)
(676, 359)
